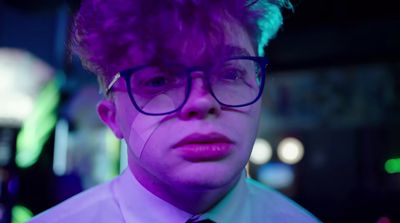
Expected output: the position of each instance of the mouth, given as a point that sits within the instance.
(204, 147)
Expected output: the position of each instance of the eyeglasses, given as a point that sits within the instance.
(164, 89)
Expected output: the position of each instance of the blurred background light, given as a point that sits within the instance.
(261, 153)
(29, 99)
(290, 150)
(60, 147)
(123, 164)
(37, 128)
(276, 175)
(384, 219)
(95, 161)
(22, 76)
(392, 166)
(21, 214)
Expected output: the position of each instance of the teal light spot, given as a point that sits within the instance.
(270, 21)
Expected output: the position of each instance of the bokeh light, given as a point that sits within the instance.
(261, 153)
(276, 175)
(392, 166)
(290, 150)
(21, 214)
(36, 129)
(22, 76)
(383, 219)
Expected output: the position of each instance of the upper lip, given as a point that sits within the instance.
(198, 138)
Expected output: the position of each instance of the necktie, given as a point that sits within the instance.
(205, 221)
(200, 221)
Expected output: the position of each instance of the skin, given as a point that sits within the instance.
(191, 186)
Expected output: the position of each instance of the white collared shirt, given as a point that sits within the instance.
(125, 200)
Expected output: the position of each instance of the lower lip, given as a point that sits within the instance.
(205, 151)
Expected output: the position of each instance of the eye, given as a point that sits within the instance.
(232, 74)
(157, 81)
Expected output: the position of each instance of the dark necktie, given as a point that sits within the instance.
(205, 221)
(195, 219)
(200, 221)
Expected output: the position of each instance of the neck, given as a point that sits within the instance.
(191, 199)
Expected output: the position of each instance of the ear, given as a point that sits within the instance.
(107, 113)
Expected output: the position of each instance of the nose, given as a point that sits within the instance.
(200, 103)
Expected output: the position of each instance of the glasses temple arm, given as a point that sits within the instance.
(115, 79)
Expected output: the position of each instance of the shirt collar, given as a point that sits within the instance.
(232, 204)
(137, 204)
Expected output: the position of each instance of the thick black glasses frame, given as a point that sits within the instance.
(126, 74)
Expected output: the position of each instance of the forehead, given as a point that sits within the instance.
(192, 45)
(234, 41)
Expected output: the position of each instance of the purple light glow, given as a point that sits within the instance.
(13, 186)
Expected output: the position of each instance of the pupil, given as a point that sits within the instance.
(158, 82)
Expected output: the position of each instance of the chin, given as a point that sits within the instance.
(213, 177)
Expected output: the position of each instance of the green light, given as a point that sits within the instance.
(21, 214)
(37, 128)
(392, 166)
(112, 147)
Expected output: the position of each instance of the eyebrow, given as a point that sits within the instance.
(224, 51)
(232, 50)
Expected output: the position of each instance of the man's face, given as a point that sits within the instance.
(203, 145)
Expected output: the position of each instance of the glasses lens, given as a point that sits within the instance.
(158, 90)
(236, 82)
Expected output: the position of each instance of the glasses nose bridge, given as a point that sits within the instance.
(199, 72)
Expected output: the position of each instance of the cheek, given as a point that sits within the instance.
(254, 120)
(250, 117)
(256, 112)
(125, 115)
(142, 129)
(136, 127)
(246, 126)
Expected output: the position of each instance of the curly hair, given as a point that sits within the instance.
(105, 33)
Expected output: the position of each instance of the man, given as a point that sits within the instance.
(182, 84)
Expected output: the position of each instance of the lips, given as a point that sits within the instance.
(204, 147)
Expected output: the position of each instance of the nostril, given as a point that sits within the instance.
(212, 111)
(201, 113)
(192, 114)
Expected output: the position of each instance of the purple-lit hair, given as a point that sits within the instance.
(106, 33)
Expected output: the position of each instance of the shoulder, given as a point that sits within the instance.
(269, 202)
(87, 206)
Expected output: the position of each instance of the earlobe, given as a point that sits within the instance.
(107, 113)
